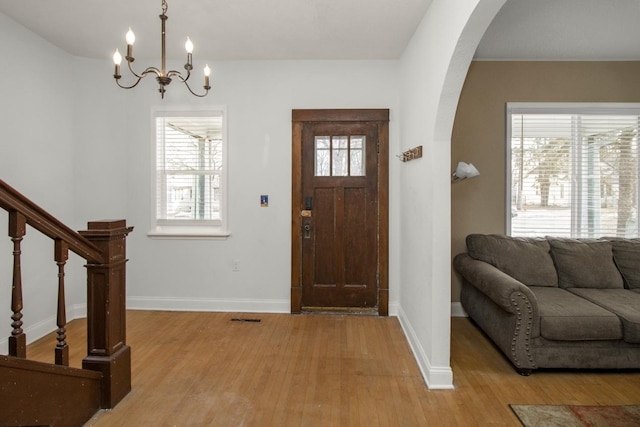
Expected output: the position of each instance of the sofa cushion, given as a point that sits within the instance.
(525, 259)
(565, 316)
(623, 303)
(626, 254)
(585, 263)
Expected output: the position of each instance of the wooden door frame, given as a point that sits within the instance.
(381, 118)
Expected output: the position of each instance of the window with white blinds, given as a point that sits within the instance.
(573, 169)
(190, 171)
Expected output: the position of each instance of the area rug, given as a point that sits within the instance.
(577, 416)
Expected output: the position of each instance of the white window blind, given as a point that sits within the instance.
(190, 169)
(573, 169)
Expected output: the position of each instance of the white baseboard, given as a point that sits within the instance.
(457, 310)
(76, 311)
(48, 325)
(393, 308)
(209, 304)
(219, 305)
(436, 377)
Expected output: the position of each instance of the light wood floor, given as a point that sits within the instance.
(202, 369)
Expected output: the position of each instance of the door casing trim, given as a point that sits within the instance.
(381, 118)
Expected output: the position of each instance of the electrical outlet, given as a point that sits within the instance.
(235, 265)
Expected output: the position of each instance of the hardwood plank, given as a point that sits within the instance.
(202, 369)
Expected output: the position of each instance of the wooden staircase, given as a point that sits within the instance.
(35, 393)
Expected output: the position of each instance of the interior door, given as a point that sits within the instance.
(339, 216)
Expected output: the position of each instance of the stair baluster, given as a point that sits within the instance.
(17, 340)
(62, 349)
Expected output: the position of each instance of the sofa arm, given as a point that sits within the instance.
(505, 309)
(498, 286)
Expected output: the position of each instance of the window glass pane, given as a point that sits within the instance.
(189, 156)
(574, 175)
(340, 155)
(356, 156)
(540, 173)
(323, 156)
(194, 197)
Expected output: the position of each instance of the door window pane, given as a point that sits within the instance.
(323, 156)
(356, 155)
(340, 155)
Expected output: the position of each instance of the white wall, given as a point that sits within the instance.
(36, 158)
(100, 141)
(259, 96)
(433, 69)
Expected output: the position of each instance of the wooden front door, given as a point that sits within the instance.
(340, 210)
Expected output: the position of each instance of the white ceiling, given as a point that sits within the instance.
(568, 30)
(226, 29)
(327, 29)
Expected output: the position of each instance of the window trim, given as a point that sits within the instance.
(189, 229)
(632, 108)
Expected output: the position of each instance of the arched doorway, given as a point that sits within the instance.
(434, 67)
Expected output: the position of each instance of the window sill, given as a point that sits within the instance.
(198, 232)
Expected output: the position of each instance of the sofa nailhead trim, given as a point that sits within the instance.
(517, 331)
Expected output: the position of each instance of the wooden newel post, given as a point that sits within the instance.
(107, 349)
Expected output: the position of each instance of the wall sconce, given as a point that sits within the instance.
(464, 171)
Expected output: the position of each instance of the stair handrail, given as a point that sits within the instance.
(12, 200)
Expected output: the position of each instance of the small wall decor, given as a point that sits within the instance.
(411, 154)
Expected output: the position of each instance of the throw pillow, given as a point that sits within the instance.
(585, 263)
(526, 259)
(626, 254)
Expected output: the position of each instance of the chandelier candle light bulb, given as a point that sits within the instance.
(207, 73)
(117, 59)
(189, 48)
(131, 39)
(163, 77)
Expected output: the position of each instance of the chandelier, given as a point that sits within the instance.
(162, 75)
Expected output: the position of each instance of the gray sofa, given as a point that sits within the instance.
(555, 303)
